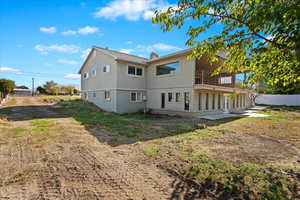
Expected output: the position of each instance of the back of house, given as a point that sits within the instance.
(171, 84)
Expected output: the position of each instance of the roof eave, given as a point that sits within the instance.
(131, 61)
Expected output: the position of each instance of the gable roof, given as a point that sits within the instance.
(120, 56)
(123, 56)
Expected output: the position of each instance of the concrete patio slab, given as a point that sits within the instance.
(251, 112)
(218, 116)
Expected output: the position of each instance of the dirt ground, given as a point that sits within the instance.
(47, 154)
(76, 166)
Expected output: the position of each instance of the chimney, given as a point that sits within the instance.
(153, 55)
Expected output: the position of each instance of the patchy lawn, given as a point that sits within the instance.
(66, 141)
(247, 158)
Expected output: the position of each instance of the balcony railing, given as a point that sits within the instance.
(205, 77)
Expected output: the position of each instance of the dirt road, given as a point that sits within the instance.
(73, 165)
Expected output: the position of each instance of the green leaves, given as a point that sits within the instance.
(6, 86)
(261, 36)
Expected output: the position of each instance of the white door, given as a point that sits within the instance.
(226, 103)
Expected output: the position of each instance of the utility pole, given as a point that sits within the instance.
(32, 86)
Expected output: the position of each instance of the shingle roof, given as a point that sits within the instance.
(123, 56)
(140, 60)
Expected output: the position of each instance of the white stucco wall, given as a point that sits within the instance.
(288, 100)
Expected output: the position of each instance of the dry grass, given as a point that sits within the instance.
(242, 158)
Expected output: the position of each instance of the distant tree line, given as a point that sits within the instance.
(52, 88)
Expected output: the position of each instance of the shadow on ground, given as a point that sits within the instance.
(113, 129)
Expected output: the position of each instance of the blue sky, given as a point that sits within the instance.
(49, 39)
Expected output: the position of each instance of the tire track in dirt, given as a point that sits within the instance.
(79, 170)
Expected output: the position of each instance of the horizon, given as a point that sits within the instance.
(38, 43)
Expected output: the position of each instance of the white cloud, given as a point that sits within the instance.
(10, 70)
(129, 42)
(85, 53)
(88, 30)
(130, 9)
(158, 47)
(128, 51)
(82, 31)
(69, 32)
(148, 14)
(58, 48)
(51, 29)
(72, 76)
(67, 62)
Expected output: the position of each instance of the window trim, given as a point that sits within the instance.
(177, 98)
(219, 101)
(172, 73)
(105, 92)
(223, 80)
(170, 96)
(105, 67)
(200, 101)
(213, 106)
(87, 75)
(135, 67)
(94, 70)
(207, 101)
(136, 95)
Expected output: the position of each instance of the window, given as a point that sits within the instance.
(177, 96)
(213, 101)
(170, 96)
(86, 75)
(94, 94)
(135, 71)
(139, 71)
(237, 101)
(219, 101)
(244, 101)
(206, 101)
(106, 68)
(241, 100)
(136, 96)
(199, 101)
(168, 68)
(94, 72)
(225, 80)
(107, 95)
(85, 95)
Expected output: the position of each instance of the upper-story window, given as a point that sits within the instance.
(86, 75)
(135, 71)
(106, 68)
(94, 72)
(168, 68)
(225, 80)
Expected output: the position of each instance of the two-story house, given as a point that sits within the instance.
(171, 84)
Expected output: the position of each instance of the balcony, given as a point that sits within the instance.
(222, 82)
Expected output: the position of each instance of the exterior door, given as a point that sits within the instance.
(186, 101)
(163, 100)
(226, 103)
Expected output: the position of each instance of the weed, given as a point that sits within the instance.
(247, 180)
(131, 135)
(15, 132)
(45, 158)
(151, 151)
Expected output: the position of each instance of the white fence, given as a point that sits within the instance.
(270, 99)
